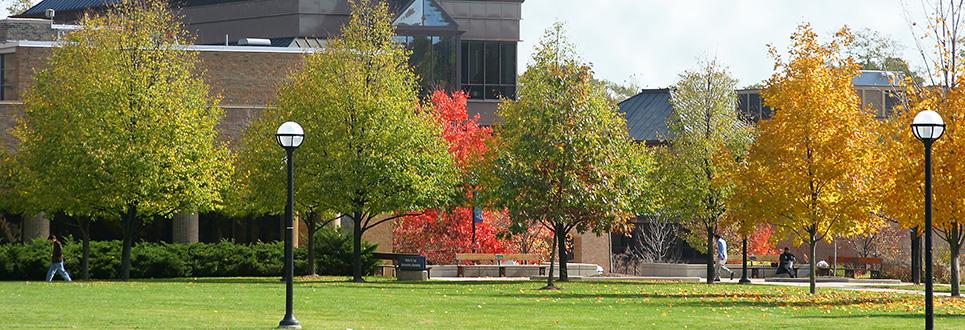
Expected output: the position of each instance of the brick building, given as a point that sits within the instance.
(247, 49)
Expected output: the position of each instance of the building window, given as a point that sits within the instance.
(892, 100)
(6, 84)
(434, 60)
(751, 106)
(489, 69)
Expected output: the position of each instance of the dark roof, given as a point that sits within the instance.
(39, 9)
(870, 78)
(647, 114)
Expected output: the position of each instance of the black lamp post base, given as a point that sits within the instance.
(289, 323)
(744, 280)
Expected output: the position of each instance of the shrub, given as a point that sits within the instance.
(29, 261)
(333, 251)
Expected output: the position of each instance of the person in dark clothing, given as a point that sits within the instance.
(57, 260)
(786, 265)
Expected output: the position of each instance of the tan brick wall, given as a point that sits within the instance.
(592, 249)
(9, 111)
(246, 81)
(381, 235)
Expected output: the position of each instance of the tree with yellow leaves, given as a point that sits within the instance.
(904, 184)
(808, 172)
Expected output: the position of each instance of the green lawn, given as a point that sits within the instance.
(335, 304)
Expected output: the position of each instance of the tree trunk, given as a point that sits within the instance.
(711, 275)
(357, 248)
(561, 245)
(915, 256)
(549, 275)
(85, 256)
(129, 228)
(311, 221)
(954, 247)
(811, 261)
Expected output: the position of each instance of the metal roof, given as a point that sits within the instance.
(39, 9)
(647, 114)
(870, 78)
(64, 5)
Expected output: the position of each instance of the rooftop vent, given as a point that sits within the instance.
(254, 42)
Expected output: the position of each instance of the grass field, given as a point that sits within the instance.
(331, 303)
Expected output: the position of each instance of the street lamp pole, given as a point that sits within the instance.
(929, 288)
(290, 136)
(928, 127)
(744, 279)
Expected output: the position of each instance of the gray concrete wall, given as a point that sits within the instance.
(26, 29)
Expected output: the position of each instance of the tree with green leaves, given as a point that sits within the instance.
(371, 152)
(17, 7)
(618, 92)
(563, 157)
(706, 140)
(873, 50)
(118, 124)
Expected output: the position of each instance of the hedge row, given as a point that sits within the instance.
(333, 254)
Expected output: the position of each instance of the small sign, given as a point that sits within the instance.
(414, 263)
(477, 215)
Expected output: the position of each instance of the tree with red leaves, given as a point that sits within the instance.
(440, 234)
(760, 242)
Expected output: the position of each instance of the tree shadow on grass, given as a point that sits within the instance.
(739, 299)
(903, 316)
(244, 280)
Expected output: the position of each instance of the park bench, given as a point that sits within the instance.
(854, 266)
(497, 259)
(756, 264)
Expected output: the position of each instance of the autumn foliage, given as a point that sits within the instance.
(439, 234)
(811, 172)
(761, 242)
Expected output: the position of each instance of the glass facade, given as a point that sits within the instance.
(433, 59)
(486, 70)
(489, 69)
(421, 13)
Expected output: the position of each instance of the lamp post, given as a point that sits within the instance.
(744, 279)
(290, 136)
(928, 127)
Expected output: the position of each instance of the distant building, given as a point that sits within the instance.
(456, 45)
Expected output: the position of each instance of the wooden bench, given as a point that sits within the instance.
(853, 265)
(756, 264)
(497, 259)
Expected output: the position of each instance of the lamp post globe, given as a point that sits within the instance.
(928, 127)
(290, 136)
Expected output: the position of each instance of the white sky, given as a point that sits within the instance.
(657, 40)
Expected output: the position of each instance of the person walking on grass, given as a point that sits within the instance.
(721, 258)
(57, 260)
